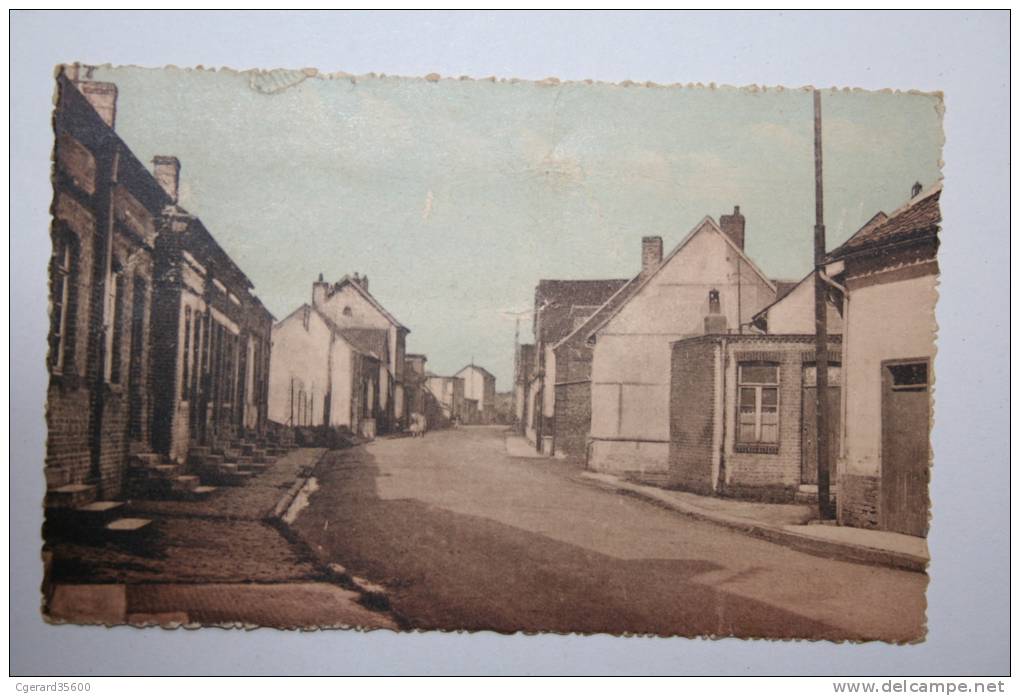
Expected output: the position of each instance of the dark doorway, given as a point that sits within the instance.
(906, 408)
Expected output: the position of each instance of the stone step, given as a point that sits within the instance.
(72, 495)
(236, 478)
(129, 526)
(199, 451)
(185, 484)
(201, 492)
(253, 467)
(146, 459)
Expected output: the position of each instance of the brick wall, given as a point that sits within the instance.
(859, 501)
(750, 472)
(692, 415)
(573, 419)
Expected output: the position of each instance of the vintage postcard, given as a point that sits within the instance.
(473, 354)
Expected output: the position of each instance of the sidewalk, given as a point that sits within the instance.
(221, 561)
(518, 446)
(789, 525)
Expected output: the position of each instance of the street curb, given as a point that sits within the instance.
(372, 596)
(284, 503)
(825, 548)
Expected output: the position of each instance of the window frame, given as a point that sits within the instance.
(757, 444)
(62, 267)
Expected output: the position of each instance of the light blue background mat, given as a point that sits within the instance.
(965, 55)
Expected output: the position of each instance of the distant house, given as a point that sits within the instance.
(449, 395)
(349, 305)
(561, 306)
(890, 270)
(323, 374)
(707, 284)
(479, 387)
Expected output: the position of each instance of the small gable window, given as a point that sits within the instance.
(347, 311)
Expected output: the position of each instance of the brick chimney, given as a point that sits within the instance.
(103, 98)
(167, 170)
(651, 254)
(733, 226)
(320, 291)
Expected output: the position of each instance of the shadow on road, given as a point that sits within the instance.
(451, 571)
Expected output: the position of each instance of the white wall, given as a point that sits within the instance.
(907, 305)
(300, 354)
(632, 359)
(795, 313)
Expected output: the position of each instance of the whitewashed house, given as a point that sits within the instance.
(706, 284)
(349, 305)
(890, 270)
(322, 374)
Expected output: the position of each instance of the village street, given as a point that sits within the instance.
(462, 535)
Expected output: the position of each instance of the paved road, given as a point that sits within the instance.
(465, 536)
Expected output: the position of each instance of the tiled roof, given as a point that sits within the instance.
(373, 342)
(917, 219)
(559, 303)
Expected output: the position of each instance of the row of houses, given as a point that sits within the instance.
(157, 341)
(341, 362)
(698, 373)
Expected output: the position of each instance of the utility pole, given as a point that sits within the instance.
(825, 510)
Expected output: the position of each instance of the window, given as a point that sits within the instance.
(347, 311)
(909, 376)
(186, 355)
(758, 416)
(116, 350)
(62, 281)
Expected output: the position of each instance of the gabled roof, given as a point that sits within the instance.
(788, 287)
(919, 218)
(296, 310)
(360, 340)
(706, 223)
(348, 280)
(476, 367)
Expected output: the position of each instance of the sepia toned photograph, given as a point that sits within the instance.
(435, 353)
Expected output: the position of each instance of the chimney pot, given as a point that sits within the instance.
(915, 190)
(651, 254)
(167, 170)
(733, 226)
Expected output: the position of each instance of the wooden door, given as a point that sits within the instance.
(809, 426)
(906, 408)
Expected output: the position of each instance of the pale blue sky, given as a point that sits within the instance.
(457, 196)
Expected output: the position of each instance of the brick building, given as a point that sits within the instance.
(105, 209)
(211, 336)
(742, 419)
(561, 306)
(890, 271)
(139, 291)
